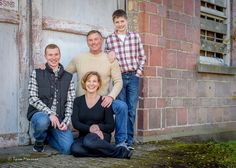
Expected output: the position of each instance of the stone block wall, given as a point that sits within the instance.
(175, 99)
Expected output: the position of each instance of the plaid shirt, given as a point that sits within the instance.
(38, 104)
(130, 53)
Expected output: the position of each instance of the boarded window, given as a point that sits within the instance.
(215, 22)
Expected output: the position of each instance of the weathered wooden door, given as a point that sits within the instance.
(14, 71)
(26, 27)
(66, 22)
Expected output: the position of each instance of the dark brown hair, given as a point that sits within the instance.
(119, 13)
(87, 76)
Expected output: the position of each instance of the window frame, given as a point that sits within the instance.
(224, 46)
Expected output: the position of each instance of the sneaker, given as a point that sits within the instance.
(122, 144)
(130, 147)
(38, 146)
(129, 155)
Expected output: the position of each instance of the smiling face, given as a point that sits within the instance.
(92, 84)
(120, 24)
(53, 57)
(95, 42)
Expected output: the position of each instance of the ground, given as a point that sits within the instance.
(163, 154)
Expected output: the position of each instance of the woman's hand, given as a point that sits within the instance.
(93, 128)
(100, 134)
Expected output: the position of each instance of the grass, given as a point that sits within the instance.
(200, 155)
(171, 154)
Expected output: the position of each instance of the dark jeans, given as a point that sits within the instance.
(92, 145)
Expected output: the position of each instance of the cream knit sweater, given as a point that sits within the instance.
(110, 72)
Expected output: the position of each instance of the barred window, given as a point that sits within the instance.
(215, 32)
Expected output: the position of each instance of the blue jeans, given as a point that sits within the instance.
(92, 145)
(129, 94)
(60, 140)
(120, 110)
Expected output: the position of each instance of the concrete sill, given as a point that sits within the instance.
(216, 69)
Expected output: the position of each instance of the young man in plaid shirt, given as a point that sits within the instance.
(51, 96)
(131, 58)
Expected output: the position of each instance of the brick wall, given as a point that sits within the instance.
(175, 99)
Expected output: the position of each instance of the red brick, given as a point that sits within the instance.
(161, 42)
(178, 5)
(143, 21)
(161, 102)
(155, 56)
(175, 44)
(154, 87)
(160, 72)
(192, 115)
(167, 3)
(181, 116)
(147, 53)
(155, 24)
(181, 60)
(180, 31)
(192, 88)
(197, 8)
(147, 103)
(169, 29)
(169, 88)
(150, 71)
(186, 19)
(154, 119)
(176, 73)
(196, 49)
(186, 46)
(223, 89)
(162, 11)
(191, 62)
(196, 35)
(148, 7)
(143, 90)
(214, 114)
(169, 59)
(170, 117)
(229, 113)
(182, 88)
(202, 115)
(142, 119)
(188, 74)
(189, 34)
(173, 15)
(188, 7)
(149, 39)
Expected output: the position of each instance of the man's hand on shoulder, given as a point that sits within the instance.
(42, 66)
(111, 56)
(106, 101)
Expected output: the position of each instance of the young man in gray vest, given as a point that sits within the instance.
(51, 96)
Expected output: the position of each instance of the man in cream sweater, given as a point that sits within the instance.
(97, 60)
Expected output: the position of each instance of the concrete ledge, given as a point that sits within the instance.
(217, 69)
(203, 132)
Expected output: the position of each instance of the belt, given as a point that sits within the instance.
(129, 72)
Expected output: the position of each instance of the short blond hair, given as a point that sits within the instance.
(87, 76)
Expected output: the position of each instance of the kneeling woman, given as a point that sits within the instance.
(94, 123)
